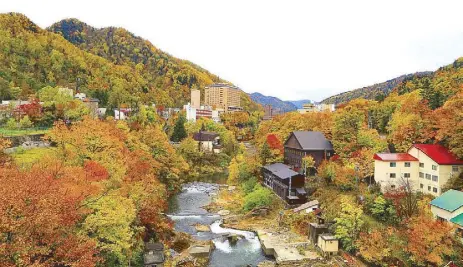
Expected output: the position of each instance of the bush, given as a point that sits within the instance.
(25, 122)
(249, 185)
(11, 124)
(258, 198)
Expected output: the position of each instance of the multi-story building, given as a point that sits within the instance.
(425, 167)
(307, 143)
(222, 95)
(195, 98)
(309, 107)
(393, 170)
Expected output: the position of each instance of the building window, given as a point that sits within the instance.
(454, 168)
(429, 188)
(407, 164)
(421, 175)
(392, 186)
(407, 175)
(428, 176)
(435, 178)
(434, 167)
(421, 186)
(392, 164)
(421, 165)
(391, 175)
(434, 190)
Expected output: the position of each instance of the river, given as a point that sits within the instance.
(186, 210)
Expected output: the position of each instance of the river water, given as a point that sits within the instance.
(186, 210)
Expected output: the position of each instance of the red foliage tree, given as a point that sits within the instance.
(274, 142)
(39, 211)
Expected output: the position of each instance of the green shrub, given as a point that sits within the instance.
(11, 124)
(259, 197)
(25, 122)
(249, 185)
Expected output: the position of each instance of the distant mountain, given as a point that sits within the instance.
(299, 103)
(275, 102)
(162, 78)
(376, 91)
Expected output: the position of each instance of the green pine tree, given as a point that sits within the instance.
(179, 130)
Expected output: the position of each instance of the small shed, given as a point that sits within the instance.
(328, 244)
(308, 207)
(315, 230)
(154, 255)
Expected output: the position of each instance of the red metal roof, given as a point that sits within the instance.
(394, 157)
(440, 154)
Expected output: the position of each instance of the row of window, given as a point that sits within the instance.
(393, 175)
(394, 164)
(428, 176)
(434, 189)
(434, 167)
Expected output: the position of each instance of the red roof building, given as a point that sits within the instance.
(440, 154)
(394, 157)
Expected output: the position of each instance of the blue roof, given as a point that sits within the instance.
(458, 220)
(450, 200)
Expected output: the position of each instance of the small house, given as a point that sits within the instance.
(286, 183)
(449, 207)
(316, 229)
(328, 244)
(208, 141)
(308, 207)
(154, 255)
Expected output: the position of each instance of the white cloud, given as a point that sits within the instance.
(290, 49)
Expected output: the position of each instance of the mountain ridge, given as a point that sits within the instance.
(275, 102)
(376, 91)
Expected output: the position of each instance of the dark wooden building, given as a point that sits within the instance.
(286, 183)
(302, 143)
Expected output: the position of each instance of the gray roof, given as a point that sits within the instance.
(205, 136)
(328, 237)
(312, 140)
(281, 170)
(306, 205)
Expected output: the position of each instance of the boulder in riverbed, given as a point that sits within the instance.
(202, 228)
(223, 212)
(200, 251)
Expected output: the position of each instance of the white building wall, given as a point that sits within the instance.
(442, 172)
(383, 171)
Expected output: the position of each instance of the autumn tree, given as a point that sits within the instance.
(349, 224)
(450, 124)
(40, 210)
(429, 241)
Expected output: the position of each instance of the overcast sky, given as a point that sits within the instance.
(289, 49)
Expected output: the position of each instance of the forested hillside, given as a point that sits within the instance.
(273, 101)
(110, 64)
(377, 91)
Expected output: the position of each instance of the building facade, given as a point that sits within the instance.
(309, 107)
(208, 141)
(222, 95)
(195, 98)
(306, 143)
(393, 170)
(429, 167)
(286, 183)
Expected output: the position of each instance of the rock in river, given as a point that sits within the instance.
(202, 228)
(223, 212)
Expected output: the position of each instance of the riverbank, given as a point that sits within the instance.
(288, 247)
